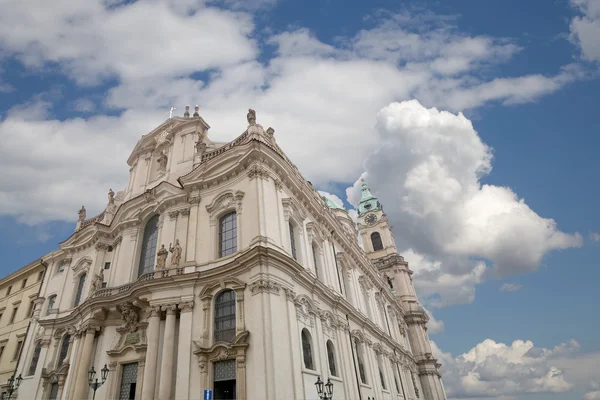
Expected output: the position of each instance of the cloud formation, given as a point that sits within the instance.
(585, 28)
(510, 287)
(429, 164)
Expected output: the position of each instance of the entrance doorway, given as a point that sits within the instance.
(224, 382)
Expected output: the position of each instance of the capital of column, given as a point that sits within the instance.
(169, 308)
(153, 311)
(186, 306)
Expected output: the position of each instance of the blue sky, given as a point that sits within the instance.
(370, 89)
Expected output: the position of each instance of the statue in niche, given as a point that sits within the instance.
(111, 196)
(177, 250)
(200, 146)
(162, 160)
(129, 316)
(98, 281)
(82, 213)
(251, 117)
(389, 281)
(161, 257)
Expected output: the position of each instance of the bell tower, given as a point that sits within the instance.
(380, 247)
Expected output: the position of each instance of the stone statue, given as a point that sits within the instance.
(389, 281)
(129, 316)
(82, 213)
(98, 281)
(200, 146)
(162, 160)
(111, 196)
(177, 250)
(161, 257)
(251, 117)
(186, 114)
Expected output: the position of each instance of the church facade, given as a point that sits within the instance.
(219, 267)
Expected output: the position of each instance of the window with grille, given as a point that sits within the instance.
(64, 348)
(361, 364)
(34, 359)
(148, 254)
(307, 349)
(225, 316)
(51, 302)
(376, 241)
(228, 234)
(128, 381)
(314, 251)
(80, 287)
(331, 358)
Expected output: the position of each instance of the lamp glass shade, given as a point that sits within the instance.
(91, 375)
(104, 373)
(319, 386)
(19, 380)
(329, 387)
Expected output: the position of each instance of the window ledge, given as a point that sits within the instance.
(311, 372)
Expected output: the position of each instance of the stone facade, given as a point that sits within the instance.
(19, 294)
(259, 289)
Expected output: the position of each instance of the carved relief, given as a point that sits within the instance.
(258, 171)
(265, 286)
(130, 316)
(173, 214)
(185, 212)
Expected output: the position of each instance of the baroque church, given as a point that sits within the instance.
(220, 272)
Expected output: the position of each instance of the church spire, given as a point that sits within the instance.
(368, 202)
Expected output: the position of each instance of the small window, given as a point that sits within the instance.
(331, 358)
(110, 249)
(30, 309)
(106, 265)
(307, 349)
(12, 316)
(228, 234)
(24, 283)
(103, 285)
(64, 348)
(376, 241)
(61, 266)
(18, 350)
(34, 359)
(8, 290)
(51, 301)
(292, 240)
(225, 316)
(1, 351)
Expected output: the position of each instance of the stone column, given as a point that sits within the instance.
(81, 384)
(184, 351)
(166, 366)
(61, 386)
(151, 352)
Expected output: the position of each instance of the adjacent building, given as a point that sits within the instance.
(219, 267)
(18, 294)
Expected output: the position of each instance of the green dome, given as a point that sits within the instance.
(332, 204)
(368, 202)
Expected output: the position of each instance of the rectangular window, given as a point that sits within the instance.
(14, 313)
(103, 285)
(8, 290)
(1, 351)
(61, 266)
(40, 276)
(24, 283)
(128, 381)
(18, 349)
(106, 265)
(34, 360)
(30, 310)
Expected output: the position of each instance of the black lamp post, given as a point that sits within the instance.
(93, 381)
(325, 391)
(13, 385)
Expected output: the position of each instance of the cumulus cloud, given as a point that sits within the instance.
(434, 325)
(492, 369)
(429, 165)
(585, 28)
(595, 237)
(510, 287)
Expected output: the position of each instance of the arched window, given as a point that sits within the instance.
(80, 287)
(331, 358)
(225, 316)
(64, 348)
(315, 260)
(359, 359)
(396, 380)
(51, 303)
(376, 241)
(149, 241)
(381, 377)
(292, 240)
(307, 349)
(34, 359)
(228, 234)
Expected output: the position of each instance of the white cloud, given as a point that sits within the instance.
(585, 28)
(429, 165)
(434, 325)
(595, 237)
(84, 105)
(510, 287)
(492, 369)
(332, 197)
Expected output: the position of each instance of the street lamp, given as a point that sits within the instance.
(326, 394)
(13, 385)
(94, 384)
